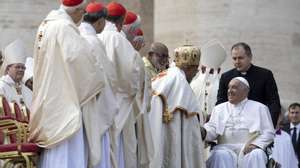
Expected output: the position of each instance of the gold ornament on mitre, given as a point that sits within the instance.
(187, 55)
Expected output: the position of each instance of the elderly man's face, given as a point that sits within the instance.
(236, 91)
(78, 15)
(159, 59)
(241, 60)
(294, 115)
(16, 71)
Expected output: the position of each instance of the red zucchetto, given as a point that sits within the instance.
(71, 3)
(139, 32)
(94, 7)
(130, 18)
(115, 9)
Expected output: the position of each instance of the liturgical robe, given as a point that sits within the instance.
(66, 76)
(205, 87)
(175, 124)
(99, 112)
(127, 81)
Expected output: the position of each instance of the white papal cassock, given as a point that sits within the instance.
(66, 77)
(174, 122)
(235, 126)
(99, 112)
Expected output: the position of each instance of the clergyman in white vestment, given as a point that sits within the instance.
(99, 112)
(243, 129)
(128, 83)
(66, 77)
(13, 69)
(175, 115)
(206, 83)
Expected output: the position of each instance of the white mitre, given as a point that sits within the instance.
(204, 84)
(14, 53)
(213, 54)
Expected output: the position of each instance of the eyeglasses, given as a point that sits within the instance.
(21, 67)
(162, 56)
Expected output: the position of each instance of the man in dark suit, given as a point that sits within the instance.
(293, 128)
(261, 80)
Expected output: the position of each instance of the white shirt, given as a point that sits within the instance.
(236, 120)
(297, 129)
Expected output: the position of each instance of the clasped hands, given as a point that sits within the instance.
(246, 150)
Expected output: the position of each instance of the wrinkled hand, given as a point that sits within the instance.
(137, 45)
(249, 148)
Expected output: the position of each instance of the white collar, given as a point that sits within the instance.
(8, 80)
(109, 26)
(87, 29)
(297, 126)
(240, 104)
(59, 14)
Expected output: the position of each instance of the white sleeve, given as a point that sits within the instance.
(211, 126)
(267, 132)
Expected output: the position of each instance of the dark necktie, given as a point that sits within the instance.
(294, 137)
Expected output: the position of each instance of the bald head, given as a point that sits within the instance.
(158, 55)
(160, 48)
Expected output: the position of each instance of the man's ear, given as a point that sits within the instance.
(6, 70)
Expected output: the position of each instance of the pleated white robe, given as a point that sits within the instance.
(66, 77)
(177, 143)
(99, 112)
(127, 81)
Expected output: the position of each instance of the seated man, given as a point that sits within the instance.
(243, 128)
(175, 116)
(13, 68)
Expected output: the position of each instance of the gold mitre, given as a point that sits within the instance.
(187, 55)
